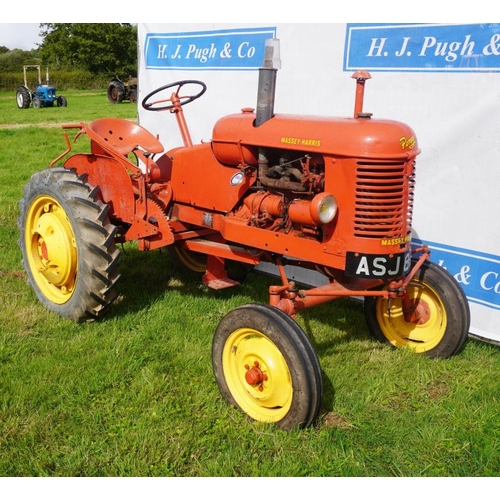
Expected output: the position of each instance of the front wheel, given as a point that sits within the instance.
(67, 244)
(61, 101)
(265, 365)
(441, 324)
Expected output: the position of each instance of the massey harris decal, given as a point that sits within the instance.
(395, 241)
(234, 49)
(301, 142)
(423, 47)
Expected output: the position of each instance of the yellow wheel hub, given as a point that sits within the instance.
(51, 249)
(257, 375)
(429, 326)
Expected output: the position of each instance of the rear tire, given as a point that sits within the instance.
(193, 262)
(444, 328)
(265, 365)
(116, 91)
(23, 98)
(67, 244)
(196, 264)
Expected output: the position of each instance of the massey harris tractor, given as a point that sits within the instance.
(333, 195)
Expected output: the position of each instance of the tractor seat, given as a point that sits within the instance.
(123, 136)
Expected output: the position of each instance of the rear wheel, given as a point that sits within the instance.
(265, 365)
(196, 263)
(442, 320)
(116, 91)
(67, 244)
(23, 98)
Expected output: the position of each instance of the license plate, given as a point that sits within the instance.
(377, 266)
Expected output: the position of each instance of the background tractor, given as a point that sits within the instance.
(334, 195)
(44, 96)
(119, 91)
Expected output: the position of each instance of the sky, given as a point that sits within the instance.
(19, 35)
(25, 35)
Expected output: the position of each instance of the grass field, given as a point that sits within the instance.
(134, 394)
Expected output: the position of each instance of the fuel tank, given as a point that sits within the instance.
(236, 138)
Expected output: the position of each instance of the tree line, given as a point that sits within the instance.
(103, 50)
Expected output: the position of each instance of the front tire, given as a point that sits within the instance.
(67, 244)
(265, 365)
(61, 101)
(443, 327)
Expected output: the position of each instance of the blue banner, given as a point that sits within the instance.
(478, 273)
(423, 47)
(236, 49)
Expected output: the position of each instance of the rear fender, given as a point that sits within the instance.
(146, 218)
(114, 182)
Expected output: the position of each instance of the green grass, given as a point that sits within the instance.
(134, 394)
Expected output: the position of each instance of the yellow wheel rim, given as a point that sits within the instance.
(51, 249)
(192, 260)
(257, 375)
(422, 335)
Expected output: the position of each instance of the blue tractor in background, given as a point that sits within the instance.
(43, 97)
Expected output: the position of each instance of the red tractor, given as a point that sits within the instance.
(333, 195)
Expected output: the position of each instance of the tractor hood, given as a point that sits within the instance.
(363, 137)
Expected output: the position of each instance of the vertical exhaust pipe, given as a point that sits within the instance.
(267, 81)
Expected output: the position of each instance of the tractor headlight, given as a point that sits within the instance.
(320, 210)
(323, 208)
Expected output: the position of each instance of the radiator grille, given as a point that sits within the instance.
(384, 199)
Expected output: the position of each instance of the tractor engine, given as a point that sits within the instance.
(344, 184)
(288, 194)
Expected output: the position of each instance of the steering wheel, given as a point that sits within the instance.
(181, 100)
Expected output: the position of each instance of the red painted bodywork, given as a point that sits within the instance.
(223, 199)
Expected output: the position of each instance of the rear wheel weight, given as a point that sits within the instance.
(444, 329)
(265, 365)
(67, 244)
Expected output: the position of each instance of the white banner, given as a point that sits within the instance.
(442, 80)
